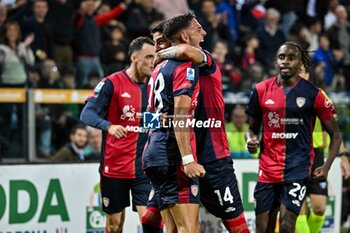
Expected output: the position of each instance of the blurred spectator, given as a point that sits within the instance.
(93, 80)
(271, 37)
(171, 8)
(3, 15)
(288, 11)
(50, 75)
(312, 33)
(253, 14)
(214, 24)
(298, 34)
(114, 51)
(230, 77)
(42, 45)
(93, 150)
(316, 9)
(106, 29)
(43, 131)
(226, 8)
(15, 56)
(87, 41)
(74, 150)
(326, 63)
(339, 36)
(142, 18)
(235, 131)
(60, 19)
(330, 18)
(253, 74)
(248, 57)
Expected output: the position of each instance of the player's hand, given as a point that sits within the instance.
(345, 167)
(320, 173)
(164, 119)
(117, 131)
(194, 170)
(253, 145)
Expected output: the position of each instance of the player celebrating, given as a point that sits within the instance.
(116, 107)
(219, 191)
(169, 157)
(286, 106)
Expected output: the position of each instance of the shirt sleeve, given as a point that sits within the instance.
(185, 79)
(97, 104)
(323, 107)
(254, 109)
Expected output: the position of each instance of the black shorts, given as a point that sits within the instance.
(268, 196)
(315, 186)
(219, 190)
(172, 186)
(115, 193)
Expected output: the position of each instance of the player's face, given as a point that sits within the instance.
(80, 138)
(160, 42)
(144, 62)
(288, 61)
(196, 33)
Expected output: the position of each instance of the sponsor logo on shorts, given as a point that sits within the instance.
(194, 190)
(105, 201)
(296, 202)
(230, 209)
(151, 195)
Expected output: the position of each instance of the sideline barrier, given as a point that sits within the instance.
(67, 199)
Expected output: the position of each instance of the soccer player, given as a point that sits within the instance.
(116, 107)
(219, 190)
(286, 106)
(169, 157)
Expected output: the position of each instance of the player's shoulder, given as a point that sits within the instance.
(309, 87)
(265, 84)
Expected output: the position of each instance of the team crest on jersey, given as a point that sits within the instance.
(300, 101)
(194, 190)
(128, 112)
(105, 201)
(274, 119)
(190, 74)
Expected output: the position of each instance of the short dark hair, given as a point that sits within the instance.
(158, 27)
(176, 24)
(137, 44)
(76, 127)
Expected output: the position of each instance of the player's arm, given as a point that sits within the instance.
(254, 113)
(252, 135)
(182, 52)
(96, 107)
(182, 105)
(334, 132)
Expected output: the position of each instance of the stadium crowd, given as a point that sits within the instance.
(72, 44)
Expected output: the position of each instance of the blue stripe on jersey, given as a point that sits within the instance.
(297, 167)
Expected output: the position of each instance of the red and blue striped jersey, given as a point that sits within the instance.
(169, 79)
(287, 123)
(119, 100)
(212, 142)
